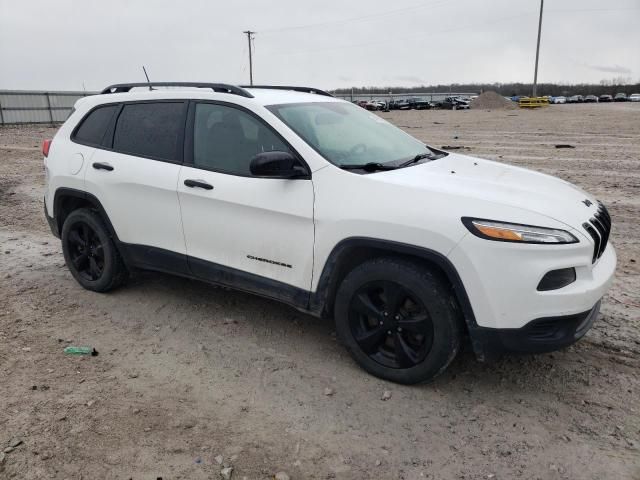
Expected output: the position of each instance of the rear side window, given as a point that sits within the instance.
(94, 126)
(150, 130)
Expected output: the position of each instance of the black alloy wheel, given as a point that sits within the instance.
(390, 324)
(90, 251)
(398, 319)
(86, 251)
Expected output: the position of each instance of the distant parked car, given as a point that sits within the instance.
(606, 98)
(419, 104)
(393, 104)
(558, 99)
(454, 103)
(620, 97)
(575, 99)
(375, 105)
(634, 97)
(590, 99)
(403, 105)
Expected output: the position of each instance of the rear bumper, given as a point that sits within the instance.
(53, 225)
(541, 335)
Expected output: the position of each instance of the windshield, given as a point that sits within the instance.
(346, 134)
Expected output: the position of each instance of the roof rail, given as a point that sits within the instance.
(317, 91)
(216, 87)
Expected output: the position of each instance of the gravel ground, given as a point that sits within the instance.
(190, 375)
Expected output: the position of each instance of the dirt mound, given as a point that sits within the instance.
(492, 101)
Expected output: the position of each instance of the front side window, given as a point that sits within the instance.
(346, 134)
(226, 139)
(150, 130)
(94, 126)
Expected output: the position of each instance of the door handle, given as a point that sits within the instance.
(102, 166)
(198, 184)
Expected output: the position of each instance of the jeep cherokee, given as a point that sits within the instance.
(292, 194)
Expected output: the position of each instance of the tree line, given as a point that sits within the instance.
(610, 87)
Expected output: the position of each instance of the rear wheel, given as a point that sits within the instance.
(89, 251)
(399, 321)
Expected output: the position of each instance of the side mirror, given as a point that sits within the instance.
(277, 165)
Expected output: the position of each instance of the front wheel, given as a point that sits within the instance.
(398, 320)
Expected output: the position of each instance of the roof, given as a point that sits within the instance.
(242, 95)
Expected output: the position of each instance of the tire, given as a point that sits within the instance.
(90, 253)
(390, 341)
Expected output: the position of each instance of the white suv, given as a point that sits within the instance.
(295, 195)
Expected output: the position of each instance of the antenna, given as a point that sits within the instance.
(145, 74)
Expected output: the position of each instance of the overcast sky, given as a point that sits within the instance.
(59, 44)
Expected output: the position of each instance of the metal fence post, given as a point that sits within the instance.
(1, 116)
(49, 107)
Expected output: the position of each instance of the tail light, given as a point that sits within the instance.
(46, 145)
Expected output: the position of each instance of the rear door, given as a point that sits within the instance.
(135, 175)
(256, 233)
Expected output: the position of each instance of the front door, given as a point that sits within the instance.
(251, 232)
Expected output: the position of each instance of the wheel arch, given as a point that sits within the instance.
(66, 200)
(352, 252)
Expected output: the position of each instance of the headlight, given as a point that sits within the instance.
(515, 232)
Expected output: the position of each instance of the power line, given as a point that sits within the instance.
(431, 32)
(403, 38)
(356, 19)
(418, 7)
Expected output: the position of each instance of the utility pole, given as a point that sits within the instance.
(249, 39)
(535, 74)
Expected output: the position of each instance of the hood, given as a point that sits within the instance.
(474, 178)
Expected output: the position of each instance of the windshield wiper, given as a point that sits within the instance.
(368, 167)
(417, 158)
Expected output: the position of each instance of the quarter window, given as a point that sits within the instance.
(225, 139)
(95, 125)
(150, 130)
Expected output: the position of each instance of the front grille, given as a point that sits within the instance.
(599, 227)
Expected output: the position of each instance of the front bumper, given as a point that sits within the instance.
(508, 313)
(538, 336)
(501, 280)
